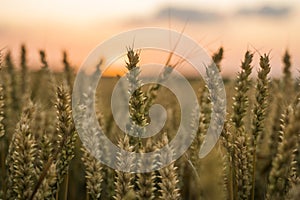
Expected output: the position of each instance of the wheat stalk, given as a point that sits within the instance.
(273, 137)
(259, 111)
(21, 158)
(65, 129)
(45, 189)
(145, 181)
(45, 75)
(91, 140)
(287, 78)
(240, 158)
(168, 175)
(278, 177)
(12, 82)
(218, 57)
(24, 69)
(138, 98)
(2, 104)
(93, 175)
(124, 180)
(68, 70)
(2, 135)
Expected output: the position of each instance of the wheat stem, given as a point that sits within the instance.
(259, 112)
(240, 158)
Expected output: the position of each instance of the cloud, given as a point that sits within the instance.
(192, 15)
(266, 11)
(209, 16)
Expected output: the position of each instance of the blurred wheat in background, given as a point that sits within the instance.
(257, 156)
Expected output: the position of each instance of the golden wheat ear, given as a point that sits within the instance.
(124, 180)
(94, 172)
(68, 71)
(287, 68)
(3, 140)
(259, 111)
(93, 175)
(283, 163)
(66, 131)
(2, 104)
(168, 175)
(218, 57)
(137, 101)
(145, 181)
(21, 158)
(24, 70)
(240, 157)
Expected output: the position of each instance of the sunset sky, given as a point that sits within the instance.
(79, 26)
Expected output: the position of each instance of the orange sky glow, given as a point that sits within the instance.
(270, 26)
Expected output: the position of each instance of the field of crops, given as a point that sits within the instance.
(42, 157)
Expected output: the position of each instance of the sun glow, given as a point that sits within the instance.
(79, 26)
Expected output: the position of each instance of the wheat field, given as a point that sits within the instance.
(42, 157)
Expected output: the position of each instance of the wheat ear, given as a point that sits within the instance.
(65, 129)
(2, 137)
(124, 180)
(279, 174)
(21, 158)
(240, 158)
(145, 181)
(287, 78)
(168, 175)
(262, 92)
(24, 69)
